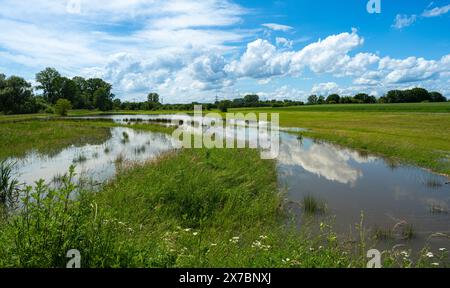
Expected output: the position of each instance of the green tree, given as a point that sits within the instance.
(333, 99)
(364, 98)
(239, 102)
(347, 100)
(67, 89)
(321, 100)
(2, 86)
(62, 106)
(16, 95)
(153, 98)
(224, 105)
(312, 100)
(117, 104)
(394, 96)
(103, 99)
(92, 85)
(49, 80)
(251, 100)
(437, 97)
(2, 81)
(407, 96)
(418, 95)
(81, 100)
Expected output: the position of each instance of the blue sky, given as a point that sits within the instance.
(194, 50)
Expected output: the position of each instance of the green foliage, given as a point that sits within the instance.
(51, 223)
(313, 99)
(321, 100)
(312, 205)
(414, 95)
(365, 98)
(49, 80)
(16, 96)
(251, 100)
(83, 94)
(193, 208)
(333, 99)
(153, 98)
(223, 106)
(9, 186)
(62, 107)
(103, 99)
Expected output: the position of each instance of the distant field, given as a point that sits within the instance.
(402, 107)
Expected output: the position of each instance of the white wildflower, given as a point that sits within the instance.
(430, 255)
(405, 254)
(234, 240)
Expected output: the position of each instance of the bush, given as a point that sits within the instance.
(62, 107)
(51, 222)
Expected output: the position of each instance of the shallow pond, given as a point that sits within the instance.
(96, 163)
(348, 182)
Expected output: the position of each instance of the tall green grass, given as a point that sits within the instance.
(312, 205)
(9, 186)
(191, 208)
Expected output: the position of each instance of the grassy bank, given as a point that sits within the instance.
(418, 138)
(47, 136)
(50, 136)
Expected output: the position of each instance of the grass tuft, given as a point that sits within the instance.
(312, 205)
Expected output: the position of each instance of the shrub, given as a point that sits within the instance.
(62, 107)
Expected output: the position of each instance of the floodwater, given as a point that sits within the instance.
(96, 163)
(347, 181)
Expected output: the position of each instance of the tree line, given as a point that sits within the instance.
(252, 100)
(415, 95)
(17, 95)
